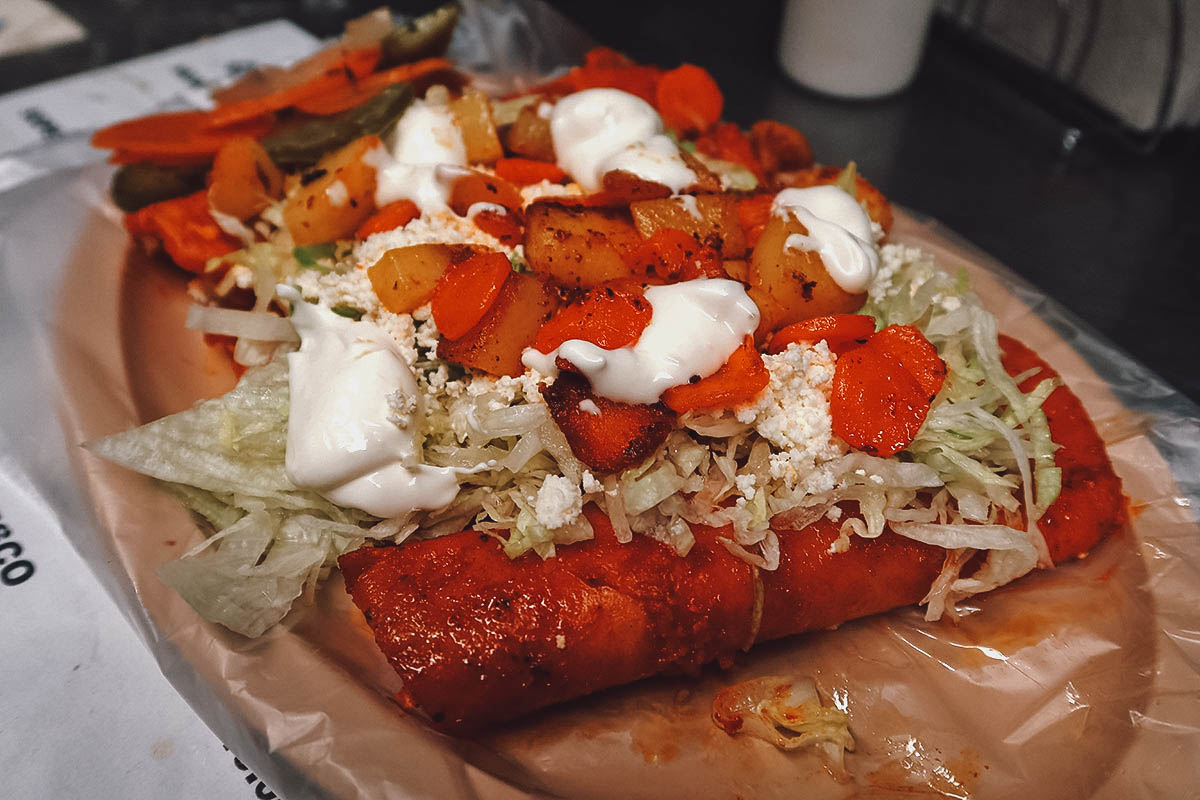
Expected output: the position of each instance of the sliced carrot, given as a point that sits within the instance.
(673, 255)
(607, 435)
(779, 147)
(877, 406)
(353, 93)
(688, 99)
(843, 332)
(609, 316)
(389, 218)
(466, 292)
(505, 227)
(526, 171)
(478, 187)
(244, 180)
(185, 229)
(606, 58)
(726, 141)
(908, 346)
(737, 382)
(754, 212)
(176, 135)
(348, 67)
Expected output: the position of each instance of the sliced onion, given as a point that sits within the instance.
(255, 325)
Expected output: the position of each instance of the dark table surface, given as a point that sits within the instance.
(1112, 235)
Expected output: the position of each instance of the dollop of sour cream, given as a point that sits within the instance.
(353, 405)
(838, 229)
(694, 327)
(423, 158)
(599, 130)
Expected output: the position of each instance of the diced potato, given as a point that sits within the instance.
(473, 113)
(403, 278)
(244, 180)
(337, 199)
(578, 246)
(793, 285)
(496, 342)
(737, 269)
(714, 221)
(530, 136)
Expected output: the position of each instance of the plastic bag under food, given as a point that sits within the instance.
(1077, 681)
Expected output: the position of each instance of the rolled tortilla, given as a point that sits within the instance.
(479, 638)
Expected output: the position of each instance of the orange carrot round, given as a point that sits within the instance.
(185, 229)
(609, 316)
(843, 332)
(727, 142)
(393, 215)
(737, 382)
(877, 406)
(506, 228)
(674, 255)
(689, 100)
(466, 292)
(341, 96)
(478, 187)
(345, 69)
(176, 135)
(909, 347)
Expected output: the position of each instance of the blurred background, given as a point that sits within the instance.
(1058, 136)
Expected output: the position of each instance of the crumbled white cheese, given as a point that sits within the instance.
(525, 386)
(401, 407)
(591, 485)
(558, 503)
(745, 485)
(588, 406)
(834, 513)
(560, 642)
(891, 258)
(793, 415)
(440, 227)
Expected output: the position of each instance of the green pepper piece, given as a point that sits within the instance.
(302, 144)
(424, 37)
(138, 185)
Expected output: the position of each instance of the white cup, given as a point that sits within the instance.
(855, 49)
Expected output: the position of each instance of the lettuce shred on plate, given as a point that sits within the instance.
(983, 452)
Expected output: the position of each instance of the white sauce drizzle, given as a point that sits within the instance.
(476, 209)
(353, 399)
(694, 327)
(599, 130)
(838, 229)
(688, 203)
(425, 157)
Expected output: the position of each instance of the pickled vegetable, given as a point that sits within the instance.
(302, 144)
(135, 186)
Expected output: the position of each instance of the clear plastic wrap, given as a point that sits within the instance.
(1081, 681)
